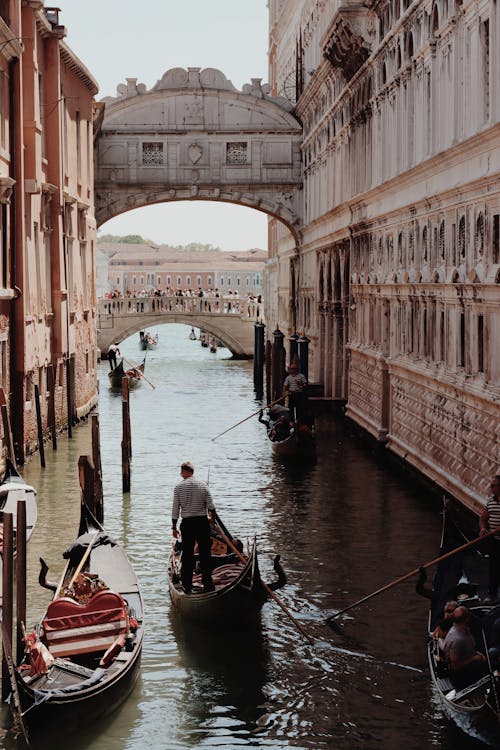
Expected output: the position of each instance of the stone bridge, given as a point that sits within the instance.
(194, 136)
(228, 319)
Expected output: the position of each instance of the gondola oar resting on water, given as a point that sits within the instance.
(249, 417)
(412, 573)
(138, 367)
(135, 374)
(267, 588)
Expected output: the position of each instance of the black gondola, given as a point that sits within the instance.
(475, 708)
(147, 341)
(134, 374)
(290, 440)
(238, 586)
(83, 658)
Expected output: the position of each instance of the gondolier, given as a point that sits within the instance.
(295, 388)
(489, 520)
(113, 352)
(193, 501)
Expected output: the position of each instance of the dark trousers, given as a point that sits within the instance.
(195, 529)
(112, 360)
(494, 550)
(297, 403)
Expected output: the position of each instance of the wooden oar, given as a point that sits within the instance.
(267, 406)
(136, 367)
(414, 572)
(84, 559)
(265, 586)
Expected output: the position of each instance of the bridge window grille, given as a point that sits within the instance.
(237, 153)
(152, 154)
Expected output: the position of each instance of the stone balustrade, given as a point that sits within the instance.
(123, 306)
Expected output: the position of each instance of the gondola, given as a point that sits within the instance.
(192, 335)
(13, 489)
(290, 440)
(146, 341)
(83, 657)
(238, 593)
(475, 709)
(134, 374)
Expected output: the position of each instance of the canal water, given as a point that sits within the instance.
(344, 527)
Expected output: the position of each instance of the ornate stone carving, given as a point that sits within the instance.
(195, 152)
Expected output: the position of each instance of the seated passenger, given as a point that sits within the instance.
(444, 625)
(281, 428)
(466, 665)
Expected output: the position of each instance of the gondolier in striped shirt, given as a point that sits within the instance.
(193, 502)
(490, 519)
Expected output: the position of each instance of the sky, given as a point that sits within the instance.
(120, 39)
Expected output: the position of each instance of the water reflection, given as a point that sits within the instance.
(344, 526)
(226, 672)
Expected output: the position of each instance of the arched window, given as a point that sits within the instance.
(425, 248)
(198, 280)
(179, 280)
(188, 280)
(398, 58)
(384, 73)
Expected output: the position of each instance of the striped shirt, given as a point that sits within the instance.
(191, 498)
(493, 508)
(295, 383)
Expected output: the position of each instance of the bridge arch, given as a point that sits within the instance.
(119, 319)
(194, 136)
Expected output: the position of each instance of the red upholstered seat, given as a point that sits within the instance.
(72, 628)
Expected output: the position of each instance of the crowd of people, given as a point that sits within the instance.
(192, 300)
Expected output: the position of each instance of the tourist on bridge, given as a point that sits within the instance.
(113, 352)
(489, 520)
(193, 501)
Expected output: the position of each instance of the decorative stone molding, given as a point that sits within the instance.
(6, 187)
(350, 38)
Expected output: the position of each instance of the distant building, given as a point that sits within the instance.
(136, 268)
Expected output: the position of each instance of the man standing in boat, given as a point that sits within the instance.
(193, 501)
(295, 388)
(113, 351)
(489, 520)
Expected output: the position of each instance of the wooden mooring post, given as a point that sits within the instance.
(7, 596)
(86, 471)
(20, 575)
(51, 384)
(96, 457)
(126, 435)
(41, 447)
(7, 429)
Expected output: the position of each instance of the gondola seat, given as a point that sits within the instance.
(71, 628)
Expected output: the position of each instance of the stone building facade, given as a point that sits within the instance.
(137, 268)
(396, 278)
(47, 300)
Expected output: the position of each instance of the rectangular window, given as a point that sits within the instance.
(461, 350)
(496, 239)
(480, 343)
(152, 154)
(442, 340)
(236, 152)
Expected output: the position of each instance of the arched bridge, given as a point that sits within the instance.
(229, 319)
(194, 136)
